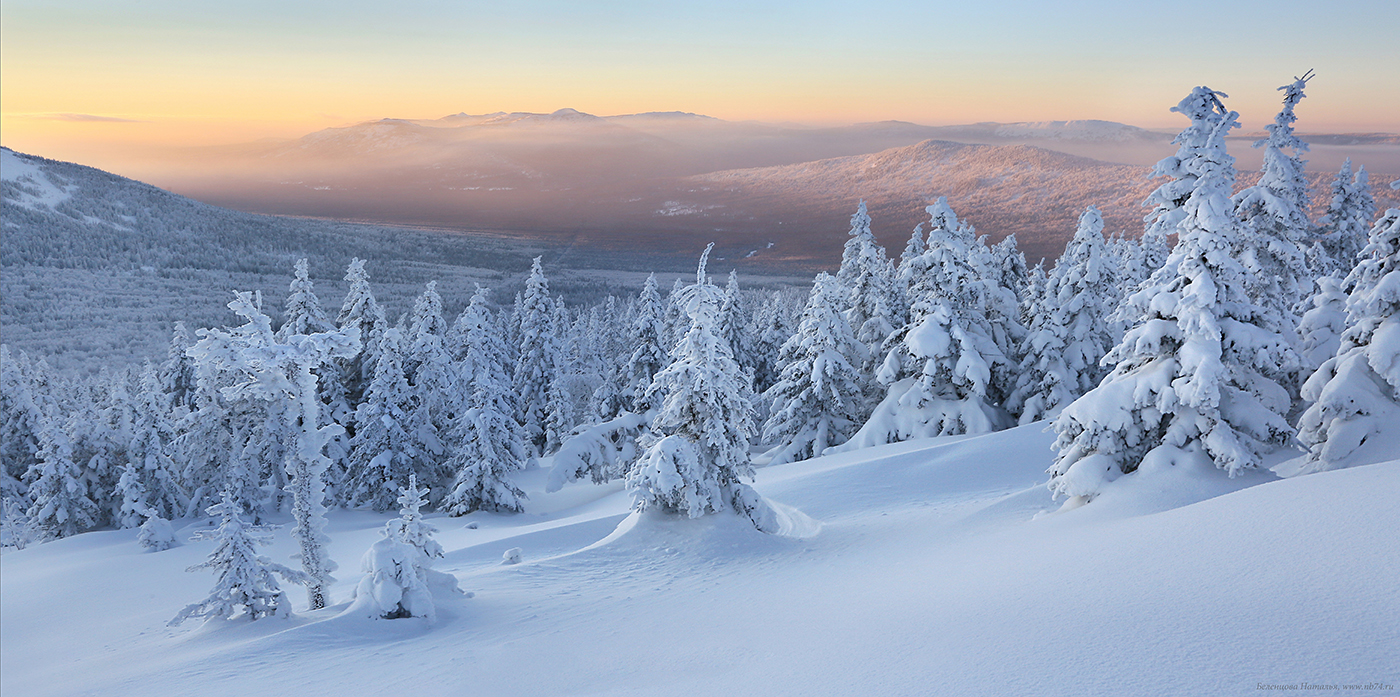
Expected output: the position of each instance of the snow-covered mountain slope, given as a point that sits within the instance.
(931, 567)
(97, 267)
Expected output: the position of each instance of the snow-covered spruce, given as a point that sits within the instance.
(1070, 331)
(649, 355)
(1345, 226)
(733, 326)
(359, 309)
(705, 423)
(538, 357)
(1274, 221)
(866, 280)
(1356, 394)
(431, 377)
(61, 504)
(273, 370)
(382, 453)
(149, 453)
(399, 579)
(940, 366)
(818, 399)
(485, 439)
(1187, 388)
(246, 584)
(772, 330)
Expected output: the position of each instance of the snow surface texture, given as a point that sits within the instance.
(930, 557)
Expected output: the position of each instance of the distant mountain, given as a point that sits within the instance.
(1034, 193)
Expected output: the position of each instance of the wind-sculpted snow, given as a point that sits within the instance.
(930, 556)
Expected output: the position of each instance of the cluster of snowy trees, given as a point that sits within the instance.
(1231, 326)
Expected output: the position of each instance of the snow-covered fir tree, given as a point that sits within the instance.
(817, 401)
(539, 357)
(941, 366)
(867, 280)
(1187, 389)
(246, 587)
(1011, 261)
(303, 313)
(1346, 225)
(177, 373)
(1070, 331)
(432, 378)
(914, 247)
(487, 441)
(1355, 395)
(61, 504)
(700, 460)
(649, 353)
(734, 324)
(382, 454)
(284, 371)
(1274, 219)
(359, 309)
(773, 328)
(134, 509)
(150, 451)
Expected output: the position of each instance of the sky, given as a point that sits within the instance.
(81, 76)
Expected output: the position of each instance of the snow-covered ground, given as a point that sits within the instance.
(926, 567)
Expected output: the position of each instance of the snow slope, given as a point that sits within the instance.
(932, 571)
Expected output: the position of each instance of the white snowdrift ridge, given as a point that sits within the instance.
(936, 568)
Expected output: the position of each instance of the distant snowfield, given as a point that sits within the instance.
(924, 567)
(36, 188)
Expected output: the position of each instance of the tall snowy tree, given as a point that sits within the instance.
(1349, 213)
(649, 352)
(705, 421)
(1011, 262)
(867, 280)
(487, 442)
(733, 324)
(150, 451)
(536, 367)
(1187, 388)
(1070, 331)
(1355, 395)
(1274, 219)
(431, 376)
(773, 330)
(382, 453)
(177, 373)
(246, 583)
(359, 309)
(817, 401)
(284, 371)
(303, 313)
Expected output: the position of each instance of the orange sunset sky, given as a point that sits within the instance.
(86, 80)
